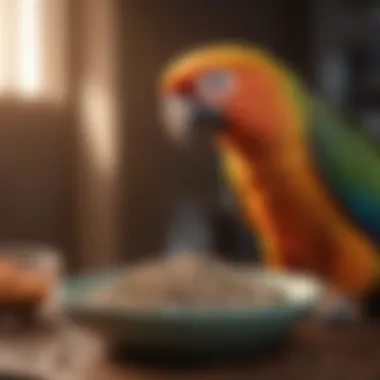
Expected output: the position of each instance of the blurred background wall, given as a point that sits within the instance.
(346, 58)
(36, 124)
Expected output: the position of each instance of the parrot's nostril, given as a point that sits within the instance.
(187, 89)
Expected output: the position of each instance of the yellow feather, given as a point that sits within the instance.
(241, 180)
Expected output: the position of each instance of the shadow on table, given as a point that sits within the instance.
(159, 359)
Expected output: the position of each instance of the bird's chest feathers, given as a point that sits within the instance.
(286, 202)
(286, 194)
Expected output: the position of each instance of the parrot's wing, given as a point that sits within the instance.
(349, 163)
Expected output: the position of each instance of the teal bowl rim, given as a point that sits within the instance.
(76, 289)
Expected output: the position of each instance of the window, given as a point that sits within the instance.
(32, 49)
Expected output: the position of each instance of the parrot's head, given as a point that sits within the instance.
(233, 90)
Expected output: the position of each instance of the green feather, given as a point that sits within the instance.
(347, 160)
(350, 165)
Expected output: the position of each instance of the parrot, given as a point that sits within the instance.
(306, 183)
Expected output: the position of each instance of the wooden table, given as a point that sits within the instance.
(315, 353)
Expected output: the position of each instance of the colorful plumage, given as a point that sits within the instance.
(308, 184)
(350, 164)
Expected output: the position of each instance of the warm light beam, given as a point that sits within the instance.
(6, 56)
(30, 47)
(3, 44)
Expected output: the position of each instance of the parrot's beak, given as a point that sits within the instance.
(185, 118)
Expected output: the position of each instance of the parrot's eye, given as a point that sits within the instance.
(215, 85)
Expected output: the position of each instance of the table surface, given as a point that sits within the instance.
(315, 352)
(349, 352)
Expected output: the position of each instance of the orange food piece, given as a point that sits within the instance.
(21, 285)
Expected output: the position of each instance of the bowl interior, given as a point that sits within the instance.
(299, 291)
